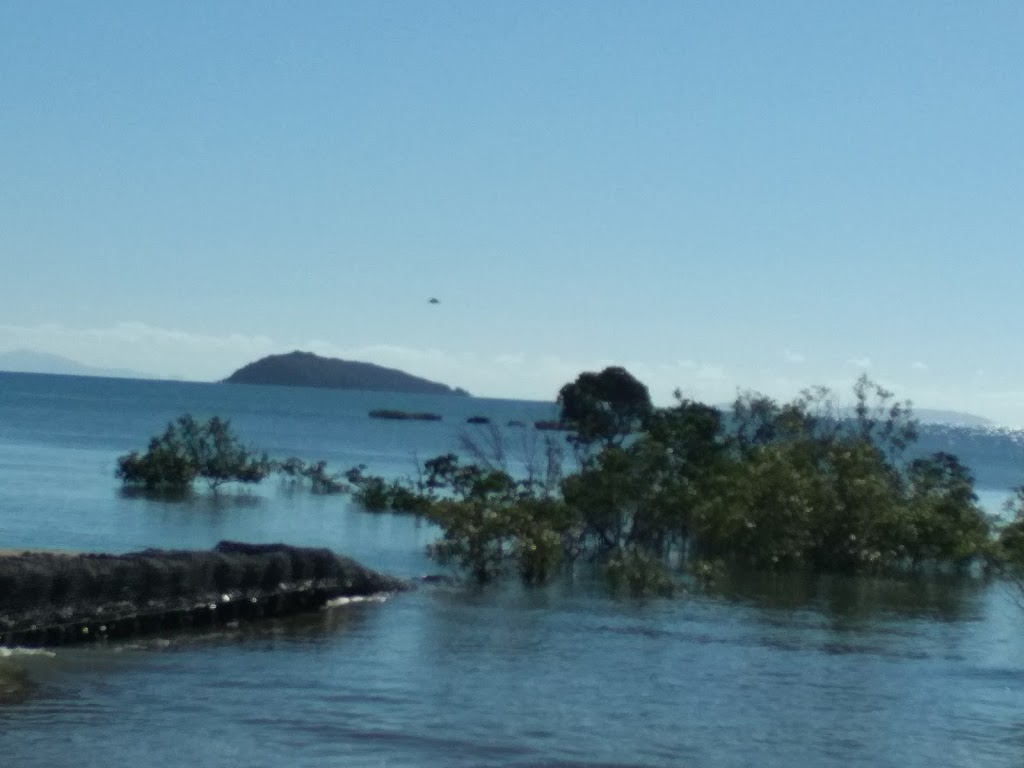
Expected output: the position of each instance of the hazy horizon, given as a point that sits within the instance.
(29, 361)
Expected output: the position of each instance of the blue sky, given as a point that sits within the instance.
(752, 195)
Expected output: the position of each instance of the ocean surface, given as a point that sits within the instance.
(761, 671)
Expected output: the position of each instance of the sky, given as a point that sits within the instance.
(718, 196)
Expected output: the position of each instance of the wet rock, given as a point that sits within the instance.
(52, 599)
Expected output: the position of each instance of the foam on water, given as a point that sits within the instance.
(339, 601)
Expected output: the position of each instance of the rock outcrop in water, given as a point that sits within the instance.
(54, 599)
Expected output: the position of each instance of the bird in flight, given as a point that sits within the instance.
(434, 301)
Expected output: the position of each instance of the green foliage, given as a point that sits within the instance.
(761, 515)
(542, 530)
(815, 489)
(1011, 541)
(295, 470)
(879, 419)
(536, 458)
(386, 413)
(162, 467)
(189, 449)
(647, 494)
(814, 420)
(477, 538)
(481, 522)
(375, 494)
(1011, 535)
(640, 574)
(1010, 546)
(15, 684)
(946, 523)
(798, 485)
(604, 407)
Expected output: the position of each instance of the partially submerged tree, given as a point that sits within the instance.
(798, 485)
(605, 407)
(189, 449)
(492, 523)
(826, 488)
(1011, 544)
(295, 471)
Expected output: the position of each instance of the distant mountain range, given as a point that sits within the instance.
(27, 361)
(304, 369)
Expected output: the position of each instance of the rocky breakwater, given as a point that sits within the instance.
(53, 599)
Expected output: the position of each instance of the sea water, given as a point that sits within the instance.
(783, 670)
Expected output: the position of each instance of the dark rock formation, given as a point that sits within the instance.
(386, 413)
(51, 599)
(304, 369)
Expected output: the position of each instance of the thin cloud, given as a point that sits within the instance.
(175, 353)
(794, 357)
(860, 362)
(159, 351)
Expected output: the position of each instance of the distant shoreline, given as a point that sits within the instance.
(927, 416)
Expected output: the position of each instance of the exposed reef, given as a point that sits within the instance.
(54, 599)
(387, 413)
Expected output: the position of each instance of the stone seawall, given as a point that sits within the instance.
(54, 599)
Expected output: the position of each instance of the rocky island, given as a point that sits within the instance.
(305, 369)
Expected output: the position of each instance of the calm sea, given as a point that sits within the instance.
(785, 671)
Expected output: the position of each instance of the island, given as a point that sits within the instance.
(305, 369)
(49, 598)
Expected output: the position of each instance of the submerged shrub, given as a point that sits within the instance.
(294, 470)
(375, 494)
(190, 449)
(640, 574)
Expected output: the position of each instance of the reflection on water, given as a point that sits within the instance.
(769, 671)
(858, 598)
